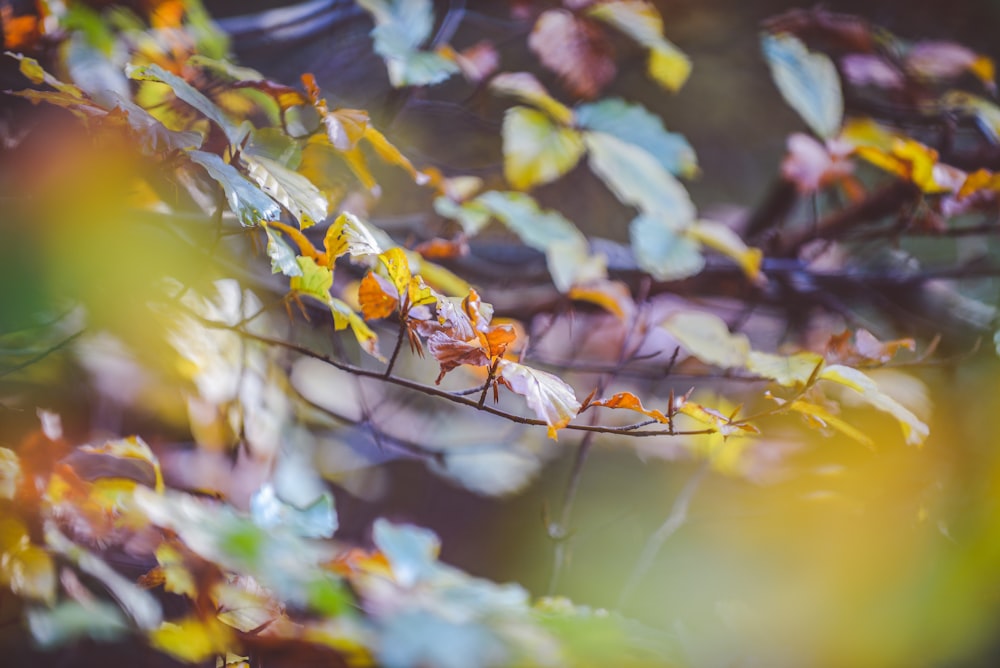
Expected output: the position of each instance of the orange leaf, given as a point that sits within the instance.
(631, 402)
(375, 301)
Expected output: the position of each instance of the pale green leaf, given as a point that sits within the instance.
(914, 431)
(707, 337)
(537, 228)
(808, 82)
(525, 87)
(192, 96)
(722, 238)
(634, 124)
(637, 178)
(283, 258)
(472, 216)
(788, 370)
(288, 188)
(662, 250)
(401, 28)
(314, 281)
(245, 199)
(68, 621)
(317, 520)
(535, 149)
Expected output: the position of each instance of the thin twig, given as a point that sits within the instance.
(42, 355)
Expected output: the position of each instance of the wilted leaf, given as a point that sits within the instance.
(914, 431)
(547, 395)
(808, 82)
(661, 249)
(575, 49)
(192, 96)
(288, 188)
(535, 149)
(707, 337)
(631, 402)
(245, 199)
(723, 239)
(640, 20)
(634, 124)
(317, 520)
(637, 178)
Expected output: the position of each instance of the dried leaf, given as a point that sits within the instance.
(575, 49)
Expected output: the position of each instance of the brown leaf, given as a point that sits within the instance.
(576, 49)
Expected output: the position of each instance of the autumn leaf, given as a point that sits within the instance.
(640, 20)
(376, 300)
(547, 395)
(820, 418)
(193, 640)
(707, 337)
(535, 149)
(575, 49)
(631, 402)
(527, 88)
(723, 239)
(914, 431)
(348, 234)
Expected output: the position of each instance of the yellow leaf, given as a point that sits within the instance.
(822, 418)
(707, 337)
(527, 88)
(536, 150)
(788, 370)
(397, 269)
(132, 447)
(613, 296)
(723, 239)
(193, 640)
(669, 66)
(344, 317)
(177, 578)
(347, 234)
(10, 473)
(914, 431)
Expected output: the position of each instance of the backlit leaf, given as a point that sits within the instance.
(526, 87)
(191, 95)
(820, 417)
(245, 199)
(914, 431)
(344, 316)
(412, 552)
(376, 301)
(640, 20)
(575, 49)
(35, 73)
(662, 250)
(547, 395)
(315, 280)
(808, 82)
(631, 402)
(10, 473)
(634, 124)
(348, 234)
(707, 337)
(288, 188)
(535, 149)
(317, 520)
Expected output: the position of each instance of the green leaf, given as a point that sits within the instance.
(472, 216)
(283, 258)
(707, 337)
(153, 136)
(317, 520)
(638, 179)
(535, 149)
(401, 28)
(245, 199)
(808, 82)
(315, 281)
(288, 188)
(662, 250)
(634, 124)
(189, 94)
(98, 620)
(788, 370)
(535, 227)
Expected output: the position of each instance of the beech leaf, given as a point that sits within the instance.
(662, 250)
(722, 238)
(547, 395)
(244, 198)
(535, 149)
(808, 81)
(634, 124)
(575, 49)
(707, 337)
(914, 431)
(527, 88)
(289, 189)
(631, 402)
